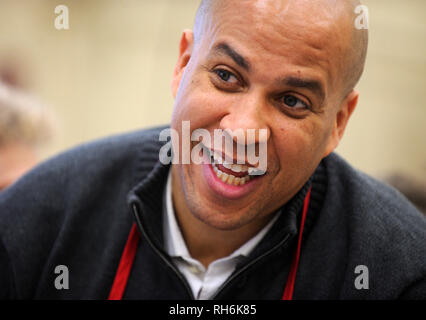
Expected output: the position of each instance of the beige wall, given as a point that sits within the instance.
(111, 72)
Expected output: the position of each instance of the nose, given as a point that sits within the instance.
(246, 121)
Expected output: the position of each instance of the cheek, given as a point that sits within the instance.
(300, 144)
(199, 104)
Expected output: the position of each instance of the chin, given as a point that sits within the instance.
(221, 216)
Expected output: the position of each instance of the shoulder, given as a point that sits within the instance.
(384, 231)
(88, 161)
(372, 199)
(109, 151)
(83, 170)
(70, 198)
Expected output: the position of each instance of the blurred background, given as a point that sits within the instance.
(111, 71)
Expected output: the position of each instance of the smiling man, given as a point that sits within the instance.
(310, 226)
(288, 76)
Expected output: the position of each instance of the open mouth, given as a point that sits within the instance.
(229, 173)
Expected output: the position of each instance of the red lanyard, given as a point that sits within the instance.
(128, 256)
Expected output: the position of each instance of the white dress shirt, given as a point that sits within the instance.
(203, 282)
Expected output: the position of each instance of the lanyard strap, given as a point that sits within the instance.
(125, 266)
(128, 256)
(289, 287)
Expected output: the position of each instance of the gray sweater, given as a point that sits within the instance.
(362, 239)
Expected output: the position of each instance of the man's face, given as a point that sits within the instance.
(260, 65)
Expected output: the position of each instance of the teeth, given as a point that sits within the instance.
(224, 177)
(227, 165)
(230, 179)
(236, 168)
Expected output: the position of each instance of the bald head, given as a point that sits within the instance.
(341, 13)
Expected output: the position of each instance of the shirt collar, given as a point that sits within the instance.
(174, 243)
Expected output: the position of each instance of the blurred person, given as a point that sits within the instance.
(110, 220)
(413, 188)
(24, 128)
(13, 67)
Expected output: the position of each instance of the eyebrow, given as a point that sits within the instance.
(291, 81)
(313, 85)
(224, 48)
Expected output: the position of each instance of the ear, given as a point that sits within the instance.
(341, 120)
(185, 52)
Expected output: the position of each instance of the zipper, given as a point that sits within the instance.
(162, 256)
(250, 264)
(181, 277)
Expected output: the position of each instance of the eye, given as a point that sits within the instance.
(226, 76)
(293, 102)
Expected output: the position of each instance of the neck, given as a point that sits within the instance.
(204, 242)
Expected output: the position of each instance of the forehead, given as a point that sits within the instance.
(286, 34)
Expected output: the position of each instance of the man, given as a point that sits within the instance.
(109, 220)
